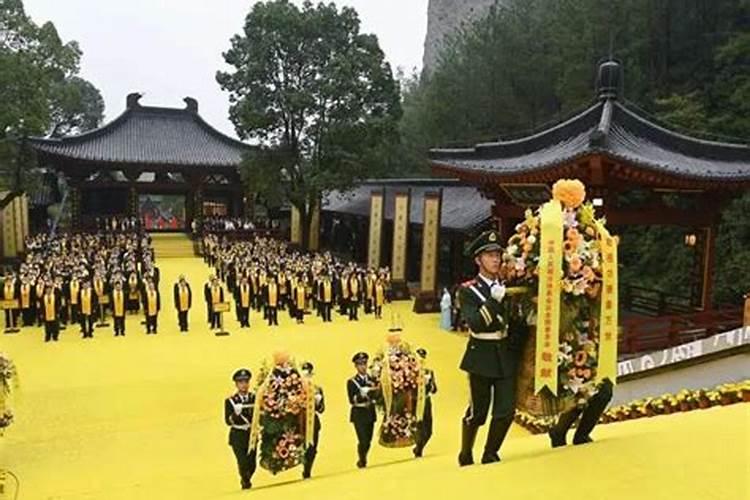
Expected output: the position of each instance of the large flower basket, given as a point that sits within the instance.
(567, 260)
(400, 374)
(284, 414)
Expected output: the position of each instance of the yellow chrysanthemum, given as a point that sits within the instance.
(569, 192)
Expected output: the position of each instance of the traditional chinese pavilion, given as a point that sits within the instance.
(150, 157)
(617, 151)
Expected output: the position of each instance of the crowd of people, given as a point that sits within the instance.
(227, 224)
(74, 278)
(268, 275)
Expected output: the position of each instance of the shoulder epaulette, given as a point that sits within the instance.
(467, 284)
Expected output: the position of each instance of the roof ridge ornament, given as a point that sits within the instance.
(191, 104)
(131, 101)
(609, 80)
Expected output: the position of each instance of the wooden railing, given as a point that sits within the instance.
(652, 302)
(648, 333)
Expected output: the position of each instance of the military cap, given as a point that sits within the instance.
(242, 374)
(360, 357)
(488, 241)
(307, 367)
(422, 352)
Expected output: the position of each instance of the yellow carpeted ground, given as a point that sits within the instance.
(141, 418)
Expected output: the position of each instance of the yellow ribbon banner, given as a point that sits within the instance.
(550, 277)
(385, 382)
(608, 320)
(421, 391)
(309, 412)
(255, 424)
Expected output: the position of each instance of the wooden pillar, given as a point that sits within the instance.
(400, 241)
(709, 264)
(427, 300)
(375, 234)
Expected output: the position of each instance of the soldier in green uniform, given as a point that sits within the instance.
(492, 353)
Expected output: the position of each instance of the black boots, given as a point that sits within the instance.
(594, 409)
(558, 432)
(590, 415)
(362, 451)
(468, 436)
(495, 437)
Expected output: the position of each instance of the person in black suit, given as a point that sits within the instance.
(118, 301)
(51, 313)
(242, 301)
(360, 389)
(355, 296)
(215, 296)
(183, 301)
(87, 309)
(326, 297)
(207, 297)
(238, 415)
(320, 407)
(151, 306)
(492, 353)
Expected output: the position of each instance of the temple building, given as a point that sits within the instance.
(636, 170)
(166, 165)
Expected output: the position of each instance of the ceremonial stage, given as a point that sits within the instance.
(140, 417)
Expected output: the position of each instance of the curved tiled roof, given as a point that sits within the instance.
(147, 135)
(612, 128)
(463, 207)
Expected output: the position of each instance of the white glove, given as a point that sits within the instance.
(364, 390)
(238, 409)
(497, 292)
(318, 398)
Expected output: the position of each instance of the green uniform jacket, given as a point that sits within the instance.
(491, 358)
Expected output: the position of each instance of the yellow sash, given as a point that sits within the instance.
(74, 292)
(215, 295)
(119, 305)
(550, 278)
(327, 295)
(354, 283)
(99, 287)
(49, 307)
(25, 296)
(9, 291)
(183, 296)
(244, 296)
(151, 302)
(272, 295)
(379, 295)
(86, 301)
(300, 297)
(309, 411)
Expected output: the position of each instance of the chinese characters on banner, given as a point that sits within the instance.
(376, 226)
(400, 226)
(550, 276)
(608, 319)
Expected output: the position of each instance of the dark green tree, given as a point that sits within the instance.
(317, 95)
(37, 79)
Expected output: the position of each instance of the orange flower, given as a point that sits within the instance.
(575, 264)
(280, 357)
(569, 192)
(580, 358)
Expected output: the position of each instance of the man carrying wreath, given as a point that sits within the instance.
(492, 353)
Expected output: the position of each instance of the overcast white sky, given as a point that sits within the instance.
(169, 49)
